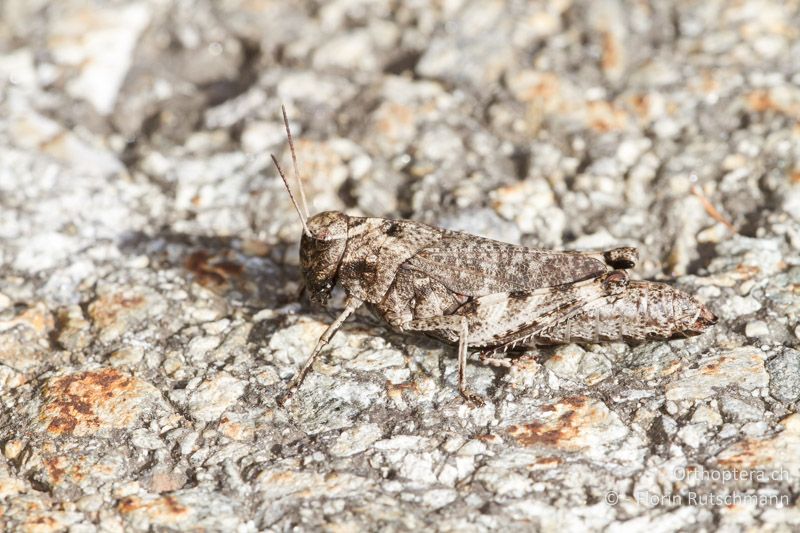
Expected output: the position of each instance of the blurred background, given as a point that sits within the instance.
(559, 123)
(138, 205)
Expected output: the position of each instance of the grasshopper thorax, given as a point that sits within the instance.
(321, 251)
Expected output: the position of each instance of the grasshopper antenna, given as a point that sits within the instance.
(289, 190)
(294, 161)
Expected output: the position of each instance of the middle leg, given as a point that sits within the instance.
(457, 325)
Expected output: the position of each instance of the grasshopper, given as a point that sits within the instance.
(474, 292)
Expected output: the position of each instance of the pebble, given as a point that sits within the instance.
(738, 410)
(128, 356)
(214, 395)
(693, 435)
(356, 440)
(93, 402)
(784, 372)
(99, 44)
(756, 329)
(741, 368)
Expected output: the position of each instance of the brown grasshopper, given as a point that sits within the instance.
(479, 293)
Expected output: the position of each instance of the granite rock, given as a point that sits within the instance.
(151, 304)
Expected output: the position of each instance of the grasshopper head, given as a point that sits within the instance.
(324, 235)
(321, 253)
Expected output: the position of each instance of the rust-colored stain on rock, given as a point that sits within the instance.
(566, 426)
(36, 317)
(395, 390)
(777, 453)
(544, 433)
(611, 52)
(548, 461)
(42, 523)
(490, 438)
(74, 468)
(751, 453)
(395, 120)
(546, 89)
(714, 366)
(763, 100)
(165, 509)
(604, 116)
(56, 468)
(760, 101)
(641, 104)
(212, 272)
(233, 429)
(106, 310)
(574, 401)
(71, 402)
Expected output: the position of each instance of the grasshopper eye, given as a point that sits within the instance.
(328, 226)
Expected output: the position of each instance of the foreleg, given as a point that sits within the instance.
(350, 306)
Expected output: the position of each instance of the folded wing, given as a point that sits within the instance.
(475, 266)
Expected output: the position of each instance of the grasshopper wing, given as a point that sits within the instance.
(476, 266)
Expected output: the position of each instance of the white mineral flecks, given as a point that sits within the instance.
(99, 44)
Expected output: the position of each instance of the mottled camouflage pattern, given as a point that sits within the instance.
(472, 291)
(644, 311)
(365, 256)
(321, 253)
(592, 311)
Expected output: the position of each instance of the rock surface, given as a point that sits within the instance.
(149, 278)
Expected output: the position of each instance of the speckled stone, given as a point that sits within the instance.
(742, 368)
(92, 402)
(151, 303)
